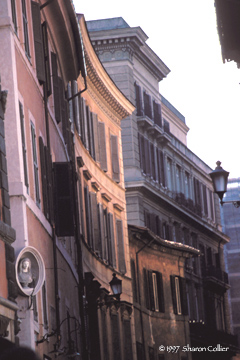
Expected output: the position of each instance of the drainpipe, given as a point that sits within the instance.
(139, 293)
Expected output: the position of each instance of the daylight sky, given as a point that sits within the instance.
(206, 91)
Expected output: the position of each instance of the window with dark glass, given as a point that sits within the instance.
(38, 41)
(35, 164)
(120, 244)
(161, 167)
(153, 288)
(24, 149)
(179, 295)
(138, 94)
(178, 179)
(169, 174)
(14, 15)
(25, 28)
(157, 113)
(147, 105)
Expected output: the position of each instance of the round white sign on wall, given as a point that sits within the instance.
(30, 271)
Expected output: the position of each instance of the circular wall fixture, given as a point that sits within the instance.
(30, 271)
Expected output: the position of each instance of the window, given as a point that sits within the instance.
(169, 174)
(115, 159)
(56, 90)
(46, 177)
(14, 15)
(35, 308)
(25, 29)
(120, 242)
(147, 105)
(161, 168)
(151, 353)
(152, 161)
(166, 126)
(44, 303)
(138, 94)
(178, 179)
(179, 295)
(187, 185)
(154, 294)
(102, 146)
(24, 149)
(157, 112)
(38, 42)
(134, 281)
(140, 352)
(35, 164)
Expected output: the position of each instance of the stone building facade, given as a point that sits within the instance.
(168, 189)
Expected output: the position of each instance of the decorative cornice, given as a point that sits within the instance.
(101, 81)
(106, 197)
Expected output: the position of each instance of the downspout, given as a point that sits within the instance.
(55, 264)
(139, 294)
(78, 243)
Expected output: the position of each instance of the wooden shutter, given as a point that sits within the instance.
(96, 137)
(63, 199)
(101, 225)
(46, 58)
(38, 43)
(142, 154)
(35, 164)
(112, 251)
(57, 106)
(120, 241)
(157, 114)
(85, 126)
(76, 114)
(24, 149)
(115, 158)
(95, 223)
(173, 288)
(152, 161)
(147, 156)
(44, 178)
(88, 216)
(49, 171)
(161, 302)
(44, 302)
(146, 288)
(134, 280)
(150, 290)
(102, 143)
(158, 226)
(127, 339)
(153, 223)
(183, 294)
(138, 94)
(90, 132)
(14, 15)
(161, 168)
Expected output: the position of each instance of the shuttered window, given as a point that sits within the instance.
(46, 58)
(161, 168)
(102, 146)
(38, 42)
(24, 149)
(142, 153)
(169, 174)
(95, 223)
(152, 161)
(179, 295)
(56, 93)
(90, 132)
(44, 304)
(115, 159)
(63, 199)
(134, 281)
(44, 178)
(76, 111)
(25, 29)
(35, 164)
(147, 156)
(111, 242)
(14, 15)
(96, 137)
(88, 216)
(138, 94)
(154, 295)
(147, 105)
(157, 114)
(120, 242)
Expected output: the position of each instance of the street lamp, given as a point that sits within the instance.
(116, 286)
(220, 178)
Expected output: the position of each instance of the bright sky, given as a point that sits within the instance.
(206, 91)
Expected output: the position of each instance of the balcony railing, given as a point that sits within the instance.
(217, 273)
(206, 335)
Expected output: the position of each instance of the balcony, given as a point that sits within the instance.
(215, 278)
(204, 335)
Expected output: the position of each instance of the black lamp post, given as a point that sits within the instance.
(116, 286)
(219, 178)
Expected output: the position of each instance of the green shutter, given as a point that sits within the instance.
(38, 43)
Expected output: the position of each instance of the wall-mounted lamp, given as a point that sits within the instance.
(220, 179)
(116, 286)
